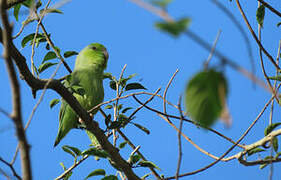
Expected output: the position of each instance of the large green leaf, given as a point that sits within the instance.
(205, 97)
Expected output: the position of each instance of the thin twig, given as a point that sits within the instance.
(240, 28)
(115, 107)
(270, 8)
(255, 36)
(11, 167)
(16, 95)
(165, 92)
(50, 42)
(179, 140)
(141, 106)
(212, 50)
(262, 63)
(187, 120)
(5, 113)
(195, 145)
(230, 149)
(71, 168)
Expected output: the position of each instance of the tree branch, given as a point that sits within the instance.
(92, 126)
(16, 114)
(270, 8)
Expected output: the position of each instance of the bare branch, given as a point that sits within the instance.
(179, 140)
(11, 167)
(16, 98)
(255, 36)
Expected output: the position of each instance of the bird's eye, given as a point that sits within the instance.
(94, 47)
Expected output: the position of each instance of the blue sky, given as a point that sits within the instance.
(129, 34)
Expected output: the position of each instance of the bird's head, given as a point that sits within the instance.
(98, 53)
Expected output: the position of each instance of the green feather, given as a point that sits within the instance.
(88, 77)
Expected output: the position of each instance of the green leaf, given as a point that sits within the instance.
(50, 55)
(26, 39)
(277, 78)
(96, 152)
(16, 11)
(97, 172)
(255, 150)
(69, 54)
(148, 164)
(142, 128)
(145, 176)
(47, 47)
(75, 150)
(205, 96)
(51, 10)
(174, 28)
(110, 177)
(277, 155)
(119, 107)
(134, 86)
(45, 66)
(263, 166)
(134, 159)
(108, 107)
(28, 3)
(270, 128)
(112, 85)
(260, 15)
(275, 144)
(30, 37)
(107, 76)
(122, 145)
(126, 109)
(54, 102)
(67, 150)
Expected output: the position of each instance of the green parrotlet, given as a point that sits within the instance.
(88, 77)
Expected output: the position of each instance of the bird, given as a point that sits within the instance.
(86, 85)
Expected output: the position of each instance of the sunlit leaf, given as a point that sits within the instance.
(50, 55)
(54, 102)
(148, 164)
(133, 159)
(96, 152)
(16, 11)
(75, 150)
(97, 172)
(45, 66)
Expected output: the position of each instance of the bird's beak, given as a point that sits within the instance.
(105, 53)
